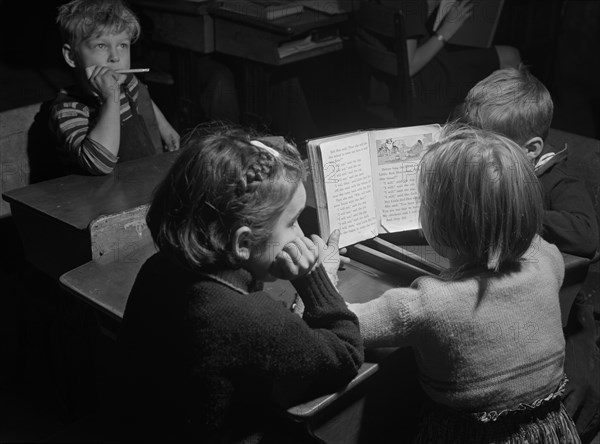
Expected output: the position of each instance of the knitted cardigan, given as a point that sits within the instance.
(212, 357)
(484, 342)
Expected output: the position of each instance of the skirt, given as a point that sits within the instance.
(544, 421)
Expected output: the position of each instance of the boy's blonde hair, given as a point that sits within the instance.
(480, 196)
(80, 20)
(511, 102)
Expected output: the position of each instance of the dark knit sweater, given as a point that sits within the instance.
(208, 356)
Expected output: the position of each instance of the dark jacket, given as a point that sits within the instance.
(569, 219)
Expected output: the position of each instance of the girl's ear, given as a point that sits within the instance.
(241, 243)
(533, 147)
(68, 55)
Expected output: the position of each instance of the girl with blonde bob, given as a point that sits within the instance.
(487, 333)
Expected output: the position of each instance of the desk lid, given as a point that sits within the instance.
(77, 199)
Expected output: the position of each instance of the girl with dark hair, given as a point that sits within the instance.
(209, 355)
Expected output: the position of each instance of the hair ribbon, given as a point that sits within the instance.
(259, 144)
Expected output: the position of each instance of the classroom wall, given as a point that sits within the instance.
(14, 138)
(27, 149)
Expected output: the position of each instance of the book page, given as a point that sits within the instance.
(398, 154)
(349, 188)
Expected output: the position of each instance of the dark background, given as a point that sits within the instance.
(558, 39)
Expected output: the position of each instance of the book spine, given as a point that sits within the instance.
(279, 13)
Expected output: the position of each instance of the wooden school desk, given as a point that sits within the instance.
(354, 414)
(105, 287)
(179, 23)
(68, 221)
(261, 40)
(192, 28)
(187, 28)
(257, 44)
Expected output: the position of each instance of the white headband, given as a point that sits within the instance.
(259, 144)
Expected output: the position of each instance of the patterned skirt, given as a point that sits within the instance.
(544, 421)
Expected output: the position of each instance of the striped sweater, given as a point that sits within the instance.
(72, 117)
(485, 342)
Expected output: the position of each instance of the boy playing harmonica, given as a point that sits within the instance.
(108, 116)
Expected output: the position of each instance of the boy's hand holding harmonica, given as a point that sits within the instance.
(104, 81)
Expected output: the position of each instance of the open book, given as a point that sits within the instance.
(365, 182)
(479, 29)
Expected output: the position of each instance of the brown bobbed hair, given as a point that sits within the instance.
(219, 183)
(480, 196)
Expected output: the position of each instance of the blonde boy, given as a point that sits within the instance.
(108, 116)
(514, 103)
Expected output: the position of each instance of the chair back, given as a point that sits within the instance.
(377, 25)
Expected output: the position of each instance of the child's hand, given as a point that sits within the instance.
(296, 259)
(169, 136)
(329, 255)
(105, 81)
